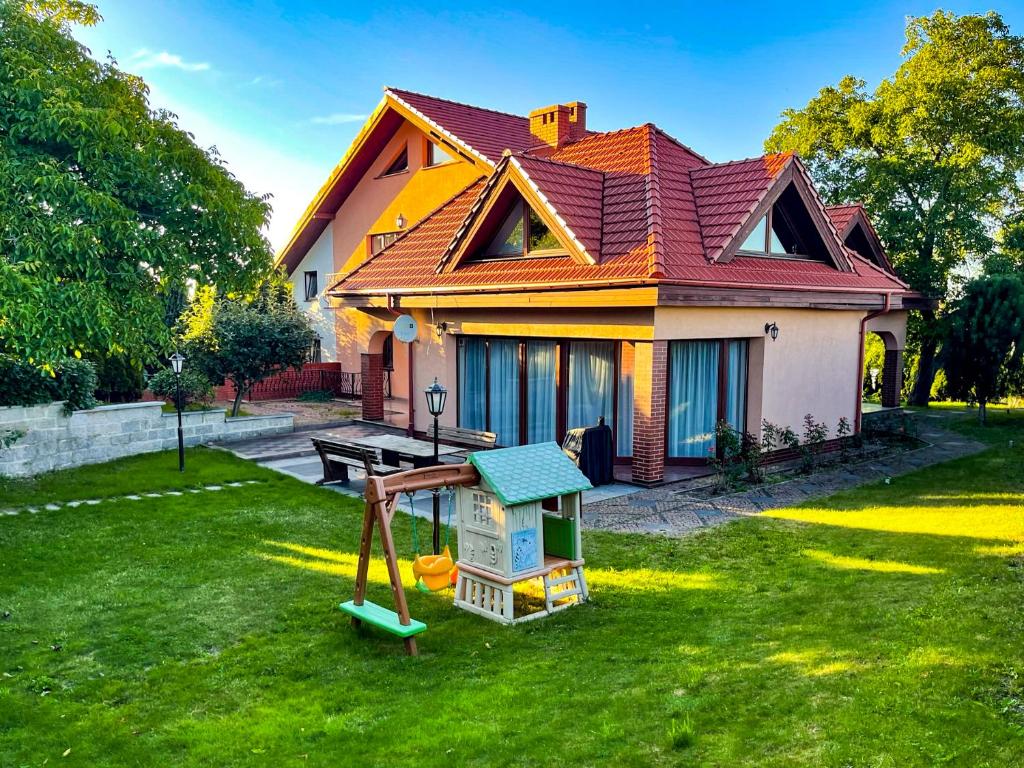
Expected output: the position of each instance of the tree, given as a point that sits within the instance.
(106, 206)
(246, 339)
(933, 152)
(984, 348)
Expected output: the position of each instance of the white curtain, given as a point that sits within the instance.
(693, 398)
(541, 391)
(591, 383)
(736, 390)
(472, 383)
(505, 390)
(624, 423)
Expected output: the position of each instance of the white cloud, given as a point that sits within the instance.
(337, 118)
(146, 59)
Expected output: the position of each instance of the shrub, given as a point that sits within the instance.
(76, 384)
(195, 387)
(316, 396)
(814, 441)
(71, 380)
(120, 379)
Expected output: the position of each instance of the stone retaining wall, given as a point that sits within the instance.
(54, 440)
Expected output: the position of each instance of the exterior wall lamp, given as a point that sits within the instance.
(441, 329)
(400, 222)
(772, 330)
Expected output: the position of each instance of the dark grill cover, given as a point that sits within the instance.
(591, 449)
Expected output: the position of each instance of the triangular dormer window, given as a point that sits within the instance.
(399, 164)
(522, 234)
(787, 230)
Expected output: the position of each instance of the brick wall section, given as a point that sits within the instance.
(892, 378)
(288, 384)
(649, 397)
(55, 440)
(372, 371)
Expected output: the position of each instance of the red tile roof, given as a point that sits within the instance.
(484, 131)
(841, 214)
(645, 207)
(728, 193)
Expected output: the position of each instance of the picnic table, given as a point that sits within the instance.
(395, 448)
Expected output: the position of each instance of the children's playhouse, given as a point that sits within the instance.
(520, 522)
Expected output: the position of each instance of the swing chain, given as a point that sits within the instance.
(447, 525)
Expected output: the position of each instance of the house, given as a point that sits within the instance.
(559, 275)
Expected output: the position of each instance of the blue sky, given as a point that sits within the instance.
(281, 89)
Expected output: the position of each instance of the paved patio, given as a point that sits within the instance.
(295, 456)
(674, 510)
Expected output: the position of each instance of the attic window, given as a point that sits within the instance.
(437, 155)
(787, 230)
(398, 165)
(523, 233)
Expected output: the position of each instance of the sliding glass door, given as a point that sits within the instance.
(693, 398)
(707, 384)
(591, 383)
(504, 390)
(541, 391)
(472, 362)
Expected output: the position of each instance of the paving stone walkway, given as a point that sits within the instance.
(676, 511)
(54, 506)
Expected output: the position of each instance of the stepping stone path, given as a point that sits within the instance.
(53, 506)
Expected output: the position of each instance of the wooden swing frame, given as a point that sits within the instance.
(382, 494)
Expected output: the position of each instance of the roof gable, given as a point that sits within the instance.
(567, 199)
(858, 234)
(733, 198)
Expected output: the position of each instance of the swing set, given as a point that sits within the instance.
(432, 571)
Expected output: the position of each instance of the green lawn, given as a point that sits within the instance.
(882, 627)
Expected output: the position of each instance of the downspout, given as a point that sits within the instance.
(411, 428)
(860, 358)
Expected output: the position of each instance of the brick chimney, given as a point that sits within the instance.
(559, 123)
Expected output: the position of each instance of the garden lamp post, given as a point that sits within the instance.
(436, 396)
(177, 361)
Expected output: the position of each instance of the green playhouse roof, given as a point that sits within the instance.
(529, 472)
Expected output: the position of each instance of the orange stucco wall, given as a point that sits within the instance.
(373, 208)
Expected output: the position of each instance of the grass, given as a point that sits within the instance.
(169, 408)
(149, 472)
(880, 627)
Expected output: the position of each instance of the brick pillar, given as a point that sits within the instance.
(372, 371)
(892, 378)
(650, 381)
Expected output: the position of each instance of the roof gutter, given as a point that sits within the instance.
(860, 358)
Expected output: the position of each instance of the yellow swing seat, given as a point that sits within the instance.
(434, 570)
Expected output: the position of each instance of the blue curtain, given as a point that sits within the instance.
(472, 383)
(541, 391)
(736, 388)
(624, 423)
(505, 390)
(591, 383)
(693, 398)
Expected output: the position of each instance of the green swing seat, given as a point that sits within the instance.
(382, 618)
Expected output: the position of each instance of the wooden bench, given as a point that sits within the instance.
(471, 438)
(338, 457)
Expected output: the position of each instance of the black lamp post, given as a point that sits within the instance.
(436, 396)
(177, 361)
